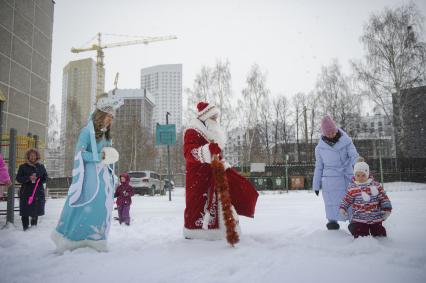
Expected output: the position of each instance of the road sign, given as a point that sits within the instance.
(165, 134)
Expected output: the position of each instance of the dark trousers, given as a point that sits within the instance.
(26, 221)
(124, 214)
(363, 229)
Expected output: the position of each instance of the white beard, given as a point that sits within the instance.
(217, 132)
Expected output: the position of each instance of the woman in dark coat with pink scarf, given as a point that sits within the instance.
(31, 175)
(124, 195)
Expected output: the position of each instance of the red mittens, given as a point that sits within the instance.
(214, 148)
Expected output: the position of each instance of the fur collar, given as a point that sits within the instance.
(200, 128)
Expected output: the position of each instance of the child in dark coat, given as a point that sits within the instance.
(124, 195)
(370, 204)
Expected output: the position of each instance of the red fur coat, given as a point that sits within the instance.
(200, 190)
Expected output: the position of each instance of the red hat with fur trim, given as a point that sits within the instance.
(206, 110)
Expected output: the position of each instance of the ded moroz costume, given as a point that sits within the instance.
(203, 218)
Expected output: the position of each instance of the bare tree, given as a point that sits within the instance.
(335, 96)
(265, 128)
(135, 144)
(299, 104)
(222, 92)
(282, 128)
(214, 86)
(53, 129)
(395, 60)
(276, 125)
(312, 121)
(201, 91)
(254, 96)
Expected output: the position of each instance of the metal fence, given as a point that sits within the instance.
(14, 148)
(23, 143)
(300, 175)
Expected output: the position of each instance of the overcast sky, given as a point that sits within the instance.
(290, 40)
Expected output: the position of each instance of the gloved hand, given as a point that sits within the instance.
(386, 215)
(343, 212)
(214, 148)
(316, 192)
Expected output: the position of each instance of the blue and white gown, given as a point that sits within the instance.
(86, 216)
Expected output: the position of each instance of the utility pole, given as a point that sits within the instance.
(286, 172)
(168, 163)
(12, 170)
(307, 149)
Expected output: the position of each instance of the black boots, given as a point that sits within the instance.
(34, 221)
(333, 225)
(351, 228)
(26, 222)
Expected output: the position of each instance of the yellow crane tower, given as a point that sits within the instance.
(99, 47)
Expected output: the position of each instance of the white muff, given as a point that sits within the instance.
(111, 155)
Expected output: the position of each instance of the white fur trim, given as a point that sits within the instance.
(206, 220)
(226, 164)
(205, 151)
(208, 112)
(63, 244)
(75, 189)
(212, 234)
(202, 154)
(109, 192)
(200, 128)
(78, 186)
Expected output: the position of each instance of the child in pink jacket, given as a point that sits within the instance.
(4, 177)
(124, 195)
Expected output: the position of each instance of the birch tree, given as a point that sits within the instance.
(254, 95)
(222, 91)
(394, 60)
(335, 96)
(53, 130)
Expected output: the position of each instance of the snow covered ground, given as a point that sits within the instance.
(286, 242)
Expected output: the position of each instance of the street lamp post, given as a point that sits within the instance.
(168, 162)
(286, 172)
(380, 160)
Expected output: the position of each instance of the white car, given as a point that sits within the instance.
(146, 182)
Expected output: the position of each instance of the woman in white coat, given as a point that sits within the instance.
(335, 157)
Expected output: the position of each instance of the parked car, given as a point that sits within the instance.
(146, 182)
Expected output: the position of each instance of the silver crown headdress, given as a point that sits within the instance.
(109, 103)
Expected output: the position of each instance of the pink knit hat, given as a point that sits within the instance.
(328, 126)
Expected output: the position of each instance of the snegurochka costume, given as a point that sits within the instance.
(86, 216)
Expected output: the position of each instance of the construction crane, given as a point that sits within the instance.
(99, 47)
